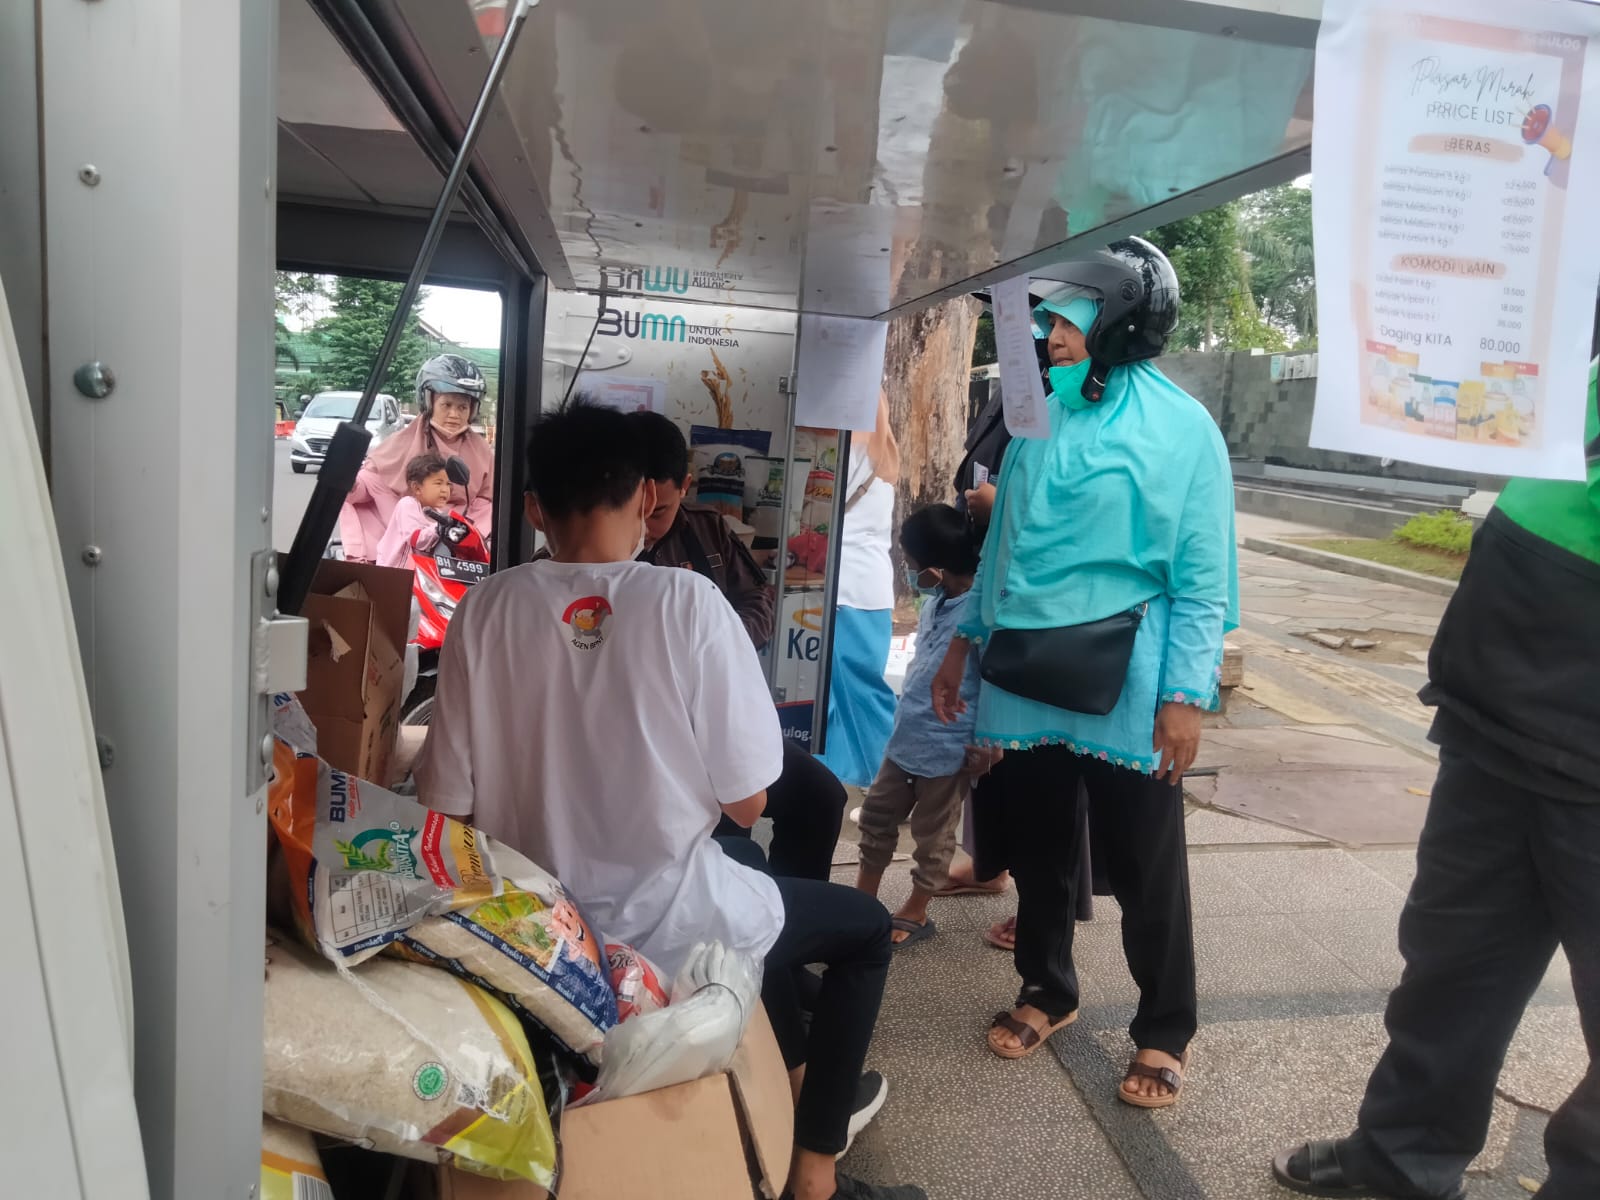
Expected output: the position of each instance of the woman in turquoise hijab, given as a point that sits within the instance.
(1107, 582)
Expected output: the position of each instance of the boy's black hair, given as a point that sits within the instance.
(938, 536)
(583, 457)
(666, 453)
(423, 465)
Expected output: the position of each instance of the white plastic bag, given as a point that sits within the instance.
(694, 1036)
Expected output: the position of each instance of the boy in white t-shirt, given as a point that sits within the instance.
(601, 715)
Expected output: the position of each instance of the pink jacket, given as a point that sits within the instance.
(382, 484)
(394, 548)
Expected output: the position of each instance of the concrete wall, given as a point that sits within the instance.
(1270, 421)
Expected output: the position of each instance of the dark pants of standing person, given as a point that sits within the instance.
(1137, 824)
(984, 837)
(806, 805)
(848, 933)
(1503, 875)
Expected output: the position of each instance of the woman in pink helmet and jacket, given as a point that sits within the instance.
(449, 389)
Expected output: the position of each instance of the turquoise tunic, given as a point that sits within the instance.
(1126, 502)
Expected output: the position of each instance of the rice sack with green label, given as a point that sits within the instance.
(371, 870)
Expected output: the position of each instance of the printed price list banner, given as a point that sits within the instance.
(1455, 166)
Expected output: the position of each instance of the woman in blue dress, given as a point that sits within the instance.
(1120, 517)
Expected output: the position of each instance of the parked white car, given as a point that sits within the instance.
(308, 445)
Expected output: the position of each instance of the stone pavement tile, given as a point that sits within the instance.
(1216, 891)
(1547, 1057)
(963, 1123)
(1311, 881)
(1206, 828)
(1257, 1086)
(1268, 618)
(1367, 942)
(1303, 606)
(1345, 733)
(1264, 955)
(1355, 807)
(1399, 867)
(1319, 745)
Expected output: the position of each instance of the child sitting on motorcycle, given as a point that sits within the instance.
(428, 484)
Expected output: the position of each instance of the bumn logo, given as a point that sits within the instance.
(654, 327)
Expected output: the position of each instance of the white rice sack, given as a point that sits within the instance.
(404, 1060)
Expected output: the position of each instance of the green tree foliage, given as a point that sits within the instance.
(1219, 309)
(983, 350)
(1276, 234)
(354, 330)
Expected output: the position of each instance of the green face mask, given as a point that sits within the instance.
(1067, 383)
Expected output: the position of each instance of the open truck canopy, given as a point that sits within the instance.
(857, 157)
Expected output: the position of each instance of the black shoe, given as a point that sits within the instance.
(1318, 1169)
(871, 1092)
(858, 1189)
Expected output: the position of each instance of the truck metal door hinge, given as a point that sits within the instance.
(278, 647)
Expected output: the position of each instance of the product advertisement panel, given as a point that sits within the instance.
(716, 372)
(1456, 163)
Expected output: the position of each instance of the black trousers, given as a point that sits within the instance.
(806, 805)
(1137, 825)
(1503, 875)
(848, 933)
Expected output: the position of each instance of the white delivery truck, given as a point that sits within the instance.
(673, 176)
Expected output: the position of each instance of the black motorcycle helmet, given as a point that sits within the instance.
(449, 373)
(1139, 293)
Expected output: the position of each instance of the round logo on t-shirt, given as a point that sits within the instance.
(586, 618)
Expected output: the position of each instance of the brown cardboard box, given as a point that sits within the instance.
(359, 615)
(679, 1143)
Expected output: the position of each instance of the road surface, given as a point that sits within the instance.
(290, 495)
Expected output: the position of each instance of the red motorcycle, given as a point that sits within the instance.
(440, 577)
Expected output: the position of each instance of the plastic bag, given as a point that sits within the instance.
(369, 869)
(291, 1168)
(635, 980)
(694, 1036)
(402, 1059)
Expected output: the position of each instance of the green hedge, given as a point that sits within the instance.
(1448, 532)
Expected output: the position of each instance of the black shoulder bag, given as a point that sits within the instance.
(1081, 668)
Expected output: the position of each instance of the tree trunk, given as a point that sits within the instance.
(926, 370)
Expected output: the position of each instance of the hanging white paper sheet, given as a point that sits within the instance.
(1022, 390)
(840, 364)
(1454, 190)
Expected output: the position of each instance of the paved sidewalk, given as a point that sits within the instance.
(1302, 844)
(1296, 952)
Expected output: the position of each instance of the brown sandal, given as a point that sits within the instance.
(1030, 1037)
(1166, 1075)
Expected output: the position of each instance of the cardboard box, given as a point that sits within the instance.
(360, 617)
(679, 1143)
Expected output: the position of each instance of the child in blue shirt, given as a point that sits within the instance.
(924, 776)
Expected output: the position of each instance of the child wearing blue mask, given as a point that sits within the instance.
(925, 775)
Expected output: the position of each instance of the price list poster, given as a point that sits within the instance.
(1456, 189)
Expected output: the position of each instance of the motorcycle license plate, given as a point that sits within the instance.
(463, 570)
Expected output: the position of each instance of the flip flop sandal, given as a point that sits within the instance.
(1173, 1080)
(998, 941)
(1030, 1037)
(1327, 1176)
(916, 931)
